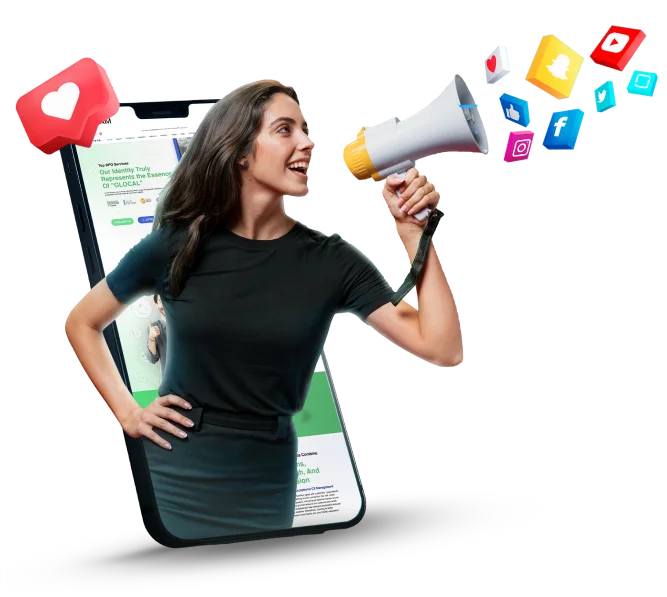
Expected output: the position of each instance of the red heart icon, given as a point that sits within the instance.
(491, 63)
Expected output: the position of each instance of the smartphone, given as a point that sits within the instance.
(112, 214)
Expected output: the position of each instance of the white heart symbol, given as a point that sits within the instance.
(61, 103)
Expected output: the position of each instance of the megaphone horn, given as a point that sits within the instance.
(451, 122)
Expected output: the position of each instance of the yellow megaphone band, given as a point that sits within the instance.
(357, 158)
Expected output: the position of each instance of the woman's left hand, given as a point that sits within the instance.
(416, 194)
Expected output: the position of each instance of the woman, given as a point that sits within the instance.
(157, 337)
(249, 294)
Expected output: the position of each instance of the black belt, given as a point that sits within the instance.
(420, 257)
(204, 414)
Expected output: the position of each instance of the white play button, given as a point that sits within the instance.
(615, 42)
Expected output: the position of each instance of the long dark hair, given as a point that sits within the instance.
(204, 191)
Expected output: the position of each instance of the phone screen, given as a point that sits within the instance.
(122, 175)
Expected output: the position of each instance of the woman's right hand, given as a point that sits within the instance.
(154, 332)
(142, 420)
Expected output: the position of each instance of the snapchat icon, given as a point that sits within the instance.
(555, 67)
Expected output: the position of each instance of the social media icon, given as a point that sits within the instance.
(642, 83)
(111, 107)
(68, 107)
(559, 124)
(515, 109)
(604, 97)
(555, 67)
(497, 65)
(617, 47)
(563, 129)
(615, 42)
(61, 103)
(559, 66)
(518, 146)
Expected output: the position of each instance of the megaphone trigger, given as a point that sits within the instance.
(423, 214)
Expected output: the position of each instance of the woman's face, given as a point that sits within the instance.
(159, 304)
(282, 139)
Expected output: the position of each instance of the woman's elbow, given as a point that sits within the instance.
(72, 327)
(69, 324)
(452, 363)
(449, 360)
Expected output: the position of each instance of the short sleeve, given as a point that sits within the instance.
(140, 270)
(363, 287)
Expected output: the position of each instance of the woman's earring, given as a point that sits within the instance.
(244, 164)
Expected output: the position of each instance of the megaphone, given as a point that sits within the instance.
(451, 122)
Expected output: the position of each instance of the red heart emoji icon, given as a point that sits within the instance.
(491, 63)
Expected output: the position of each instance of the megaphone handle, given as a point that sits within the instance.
(424, 212)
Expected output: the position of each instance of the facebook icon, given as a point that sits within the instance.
(563, 130)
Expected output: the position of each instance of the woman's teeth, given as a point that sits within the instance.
(299, 165)
(299, 168)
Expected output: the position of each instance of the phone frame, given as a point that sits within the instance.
(140, 471)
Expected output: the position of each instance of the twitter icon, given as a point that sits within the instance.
(604, 97)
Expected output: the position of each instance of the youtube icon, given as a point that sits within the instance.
(617, 47)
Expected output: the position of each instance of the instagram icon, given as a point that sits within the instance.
(518, 146)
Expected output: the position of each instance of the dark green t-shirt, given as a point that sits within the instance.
(248, 328)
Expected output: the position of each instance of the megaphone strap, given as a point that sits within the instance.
(420, 257)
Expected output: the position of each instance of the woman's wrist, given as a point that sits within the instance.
(128, 414)
(408, 231)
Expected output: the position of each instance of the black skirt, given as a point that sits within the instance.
(224, 480)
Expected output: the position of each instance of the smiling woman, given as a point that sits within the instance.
(248, 295)
(283, 135)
